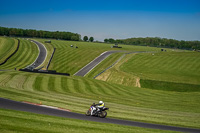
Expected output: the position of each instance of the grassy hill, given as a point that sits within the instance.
(7, 47)
(26, 55)
(180, 67)
(76, 94)
(69, 59)
(175, 71)
(121, 92)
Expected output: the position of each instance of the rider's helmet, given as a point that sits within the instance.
(100, 102)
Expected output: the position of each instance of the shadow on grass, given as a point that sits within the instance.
(169, 86)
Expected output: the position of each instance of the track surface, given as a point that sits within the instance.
(94, 63)
(9, 104)
(42, 55)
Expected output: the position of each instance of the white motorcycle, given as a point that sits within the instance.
(98, 113)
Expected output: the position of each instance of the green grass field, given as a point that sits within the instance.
(181, 67)
(178, 71)
(26, 55)
(140, 87)
(7, 47)
(69, 59)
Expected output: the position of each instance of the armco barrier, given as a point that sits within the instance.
(51, 58)
(44, 72)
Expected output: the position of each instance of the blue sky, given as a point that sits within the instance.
(118, 19)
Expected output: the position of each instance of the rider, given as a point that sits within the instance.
(97, 107)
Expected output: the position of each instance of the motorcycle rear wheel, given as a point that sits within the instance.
(88, 113)
(103, 114)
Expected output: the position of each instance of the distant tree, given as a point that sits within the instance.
(106, 40)
(111, 40)
(1, 31)
(91, 39)
(75, 38)
(85, 38)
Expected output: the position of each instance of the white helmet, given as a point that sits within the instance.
(100, 102)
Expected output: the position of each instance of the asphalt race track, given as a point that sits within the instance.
(20, 106)
(42, 55)
(94, 63)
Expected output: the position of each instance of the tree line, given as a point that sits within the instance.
(39, 33)
(157, 42)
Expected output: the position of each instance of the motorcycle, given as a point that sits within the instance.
(98, 113)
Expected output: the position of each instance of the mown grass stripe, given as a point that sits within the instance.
(38, 83)
(76, 85)
(111, 90)
(64, 85)
(51, 84)
(17, 82)
(4, 79)
(57, 84)
(29, 82)
(82, 86)
(70, 85)
(88, 88)
(92, 87)
(101, 88)
(45, 83)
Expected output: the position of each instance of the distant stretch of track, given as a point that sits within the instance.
(20, 106)
(82, 72)
(41, 57)
(93, 63)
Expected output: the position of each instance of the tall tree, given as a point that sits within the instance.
(106, 40)
(111, 40)
(91, 39)
(85, 38)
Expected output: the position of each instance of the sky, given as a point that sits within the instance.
(118, 19)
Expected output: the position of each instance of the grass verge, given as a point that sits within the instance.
(16, 121)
